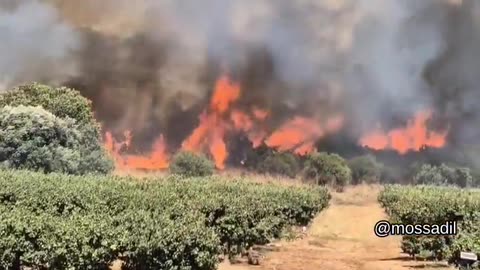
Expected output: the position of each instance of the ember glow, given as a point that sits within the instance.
(413, 137)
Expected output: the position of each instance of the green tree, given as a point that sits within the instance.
(432, 175)
(66, 103)
(32, 138)
(365, 169)
(62, 102)
(191, 165)
(324, 168)
(443, 175)
(280, 164)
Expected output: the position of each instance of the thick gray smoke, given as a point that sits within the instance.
(150, 65)
(34, 45)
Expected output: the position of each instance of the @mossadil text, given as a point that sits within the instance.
(385, 228)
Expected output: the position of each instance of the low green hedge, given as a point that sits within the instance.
(435, 205)
(171, 223)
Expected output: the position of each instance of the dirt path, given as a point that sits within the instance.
(341, 238)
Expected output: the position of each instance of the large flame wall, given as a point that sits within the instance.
(298, 135)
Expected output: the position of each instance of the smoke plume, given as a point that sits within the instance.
(151, 66)
(35, 44)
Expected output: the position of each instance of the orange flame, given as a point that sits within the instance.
(198, 137)
(413, 137)
(218, 148)
(156, 160)
(226, 92)
(211, 130)
(300, 134)
(260, 114)
(221, 117)
(241, 121)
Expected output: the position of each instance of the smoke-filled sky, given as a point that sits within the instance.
(150, 65)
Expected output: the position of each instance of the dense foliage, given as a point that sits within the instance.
(68, 105)
(365, 169)
(285, 164)
(62, 102)
(32, 138)
(324, 168)
(435, 205)
(191, 165)
(74, 222)
(443, 175)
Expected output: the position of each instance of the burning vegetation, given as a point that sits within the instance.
(298, 135)
(415, 136)
(393, 78)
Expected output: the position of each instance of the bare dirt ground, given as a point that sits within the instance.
(341, 238)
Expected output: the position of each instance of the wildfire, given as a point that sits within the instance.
(299, 134)
(413, 137)
(220, 118)
(226, 92)
(211, 130)
(157, 159)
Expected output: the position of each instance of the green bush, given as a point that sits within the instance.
(435, 205)
(191, 165)
(143, 240)
(62, 102)
(43, 241)
(443, 175)
(66, 103)
(280, 164)
(170, 224)
(32, 138)
(468, 240)
(152, 240)
(324, 168)
(365, 169)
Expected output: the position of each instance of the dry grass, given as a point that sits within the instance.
(260, 178)
(227, 175)
(341, 238)
(357, 195)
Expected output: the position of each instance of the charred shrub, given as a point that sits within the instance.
(365, 169)
(285, 164)
(191, 165)
(327, 169)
